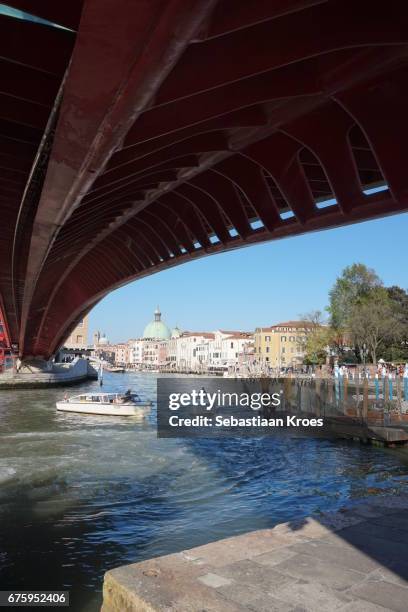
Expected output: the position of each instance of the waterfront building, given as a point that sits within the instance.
(121, 352)
(219, 353)
(152, 350)
(190, 353)
(102, 348)
(78, 338)
(136, 353)
(171, 358)
(215, 348)
(159, 349)
(151, 353)
(202, 355)
(232, 346)
(106, 353)
(281, 345)
(162, 354)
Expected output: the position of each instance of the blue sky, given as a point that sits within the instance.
(258, 285)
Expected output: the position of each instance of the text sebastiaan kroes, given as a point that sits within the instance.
(218, 400)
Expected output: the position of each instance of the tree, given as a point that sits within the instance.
(350, 289)
(318, 337)
(317, 346)
(313, 320)
(398, 351)
(374, 322)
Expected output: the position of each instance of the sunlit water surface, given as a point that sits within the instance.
(82, 494)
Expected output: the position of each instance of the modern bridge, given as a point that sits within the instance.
(138, 135)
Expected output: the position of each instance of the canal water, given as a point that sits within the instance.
(80, 495)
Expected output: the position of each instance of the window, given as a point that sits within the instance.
(267, 349)
(267, 338)
(283, 349)
(79, 339)
(291, 338)
(266, 358)
(283, 339)
(232, 345)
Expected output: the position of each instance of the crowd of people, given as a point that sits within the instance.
(382, 370)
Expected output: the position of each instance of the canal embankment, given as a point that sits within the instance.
(64, 374)
(350, 560)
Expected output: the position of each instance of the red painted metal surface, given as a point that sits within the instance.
(183, 128)
(6, 354)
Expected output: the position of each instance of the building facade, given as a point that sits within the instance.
(136, 353)
(78, 338)
(190, 351)
(187, 351)
(150, 351)
(276, 347)
(121, 352)
(282, 345)
(232, 346)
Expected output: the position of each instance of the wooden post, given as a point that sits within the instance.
(345, 394)
(365, 400)
(357, 390)
(318, 397)
(399, 394)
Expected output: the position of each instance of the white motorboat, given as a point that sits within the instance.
(112, 404)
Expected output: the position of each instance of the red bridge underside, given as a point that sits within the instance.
(145, 134)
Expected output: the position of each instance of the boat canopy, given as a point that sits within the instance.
(105, 398)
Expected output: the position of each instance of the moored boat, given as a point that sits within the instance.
(110, 404)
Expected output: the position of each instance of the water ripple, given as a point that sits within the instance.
(80, 495)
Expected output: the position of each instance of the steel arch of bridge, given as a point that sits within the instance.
(140, 135)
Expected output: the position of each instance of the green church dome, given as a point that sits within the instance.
(157, 330)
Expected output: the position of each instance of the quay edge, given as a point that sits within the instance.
(328, 561)
(76, 373)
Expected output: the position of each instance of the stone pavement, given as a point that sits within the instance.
(351, 561)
